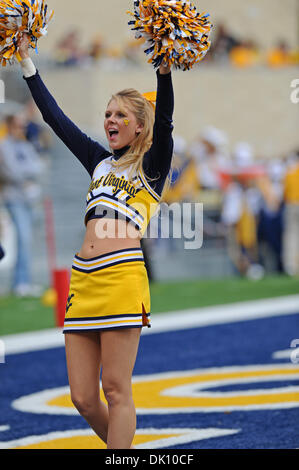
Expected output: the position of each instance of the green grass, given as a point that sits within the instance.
(200, 293)
(20, 315)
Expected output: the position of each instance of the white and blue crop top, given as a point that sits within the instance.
(111, 190)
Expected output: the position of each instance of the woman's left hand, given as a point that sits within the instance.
(23, 46)
(164, 70)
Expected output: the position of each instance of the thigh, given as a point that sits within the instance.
(118, 353)
(83, 357)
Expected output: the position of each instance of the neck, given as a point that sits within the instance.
(118, 153)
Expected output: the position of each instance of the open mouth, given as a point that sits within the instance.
(112, 132)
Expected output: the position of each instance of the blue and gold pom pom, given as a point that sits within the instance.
(17, 17)
(175, 33)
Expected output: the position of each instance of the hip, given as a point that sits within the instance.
(108, 291)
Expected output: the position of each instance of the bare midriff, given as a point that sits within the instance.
(107, 235)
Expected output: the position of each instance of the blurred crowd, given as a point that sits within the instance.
(243, 53)
(24, 144)
(256, 199)
(226, 48)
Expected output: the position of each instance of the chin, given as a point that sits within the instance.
(118, 146)
(115, 146)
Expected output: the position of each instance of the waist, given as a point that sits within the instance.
(112, 258)
(106, 235)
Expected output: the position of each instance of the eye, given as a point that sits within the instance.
(120, 114)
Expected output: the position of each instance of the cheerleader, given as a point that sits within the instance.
(109, 300)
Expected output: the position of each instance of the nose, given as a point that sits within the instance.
(111, 119)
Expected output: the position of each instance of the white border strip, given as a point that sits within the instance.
(37, 403)
(170, 321)
(4, 428)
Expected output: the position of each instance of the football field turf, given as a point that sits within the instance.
(206, 377)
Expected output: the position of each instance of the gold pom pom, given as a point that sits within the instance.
(18, 17)
(175, 33)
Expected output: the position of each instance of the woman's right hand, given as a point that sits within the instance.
(23, 46)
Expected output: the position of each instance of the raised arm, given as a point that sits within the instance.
(157, 161)
(88, 151)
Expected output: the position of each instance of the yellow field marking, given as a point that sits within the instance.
(89, 442)
(151, 393)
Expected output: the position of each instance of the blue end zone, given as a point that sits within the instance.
(235, 344)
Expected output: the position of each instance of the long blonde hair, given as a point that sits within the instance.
(144, 112)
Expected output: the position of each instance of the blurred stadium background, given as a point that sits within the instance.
(236, 151)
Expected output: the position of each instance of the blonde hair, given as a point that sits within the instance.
(144, 112)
